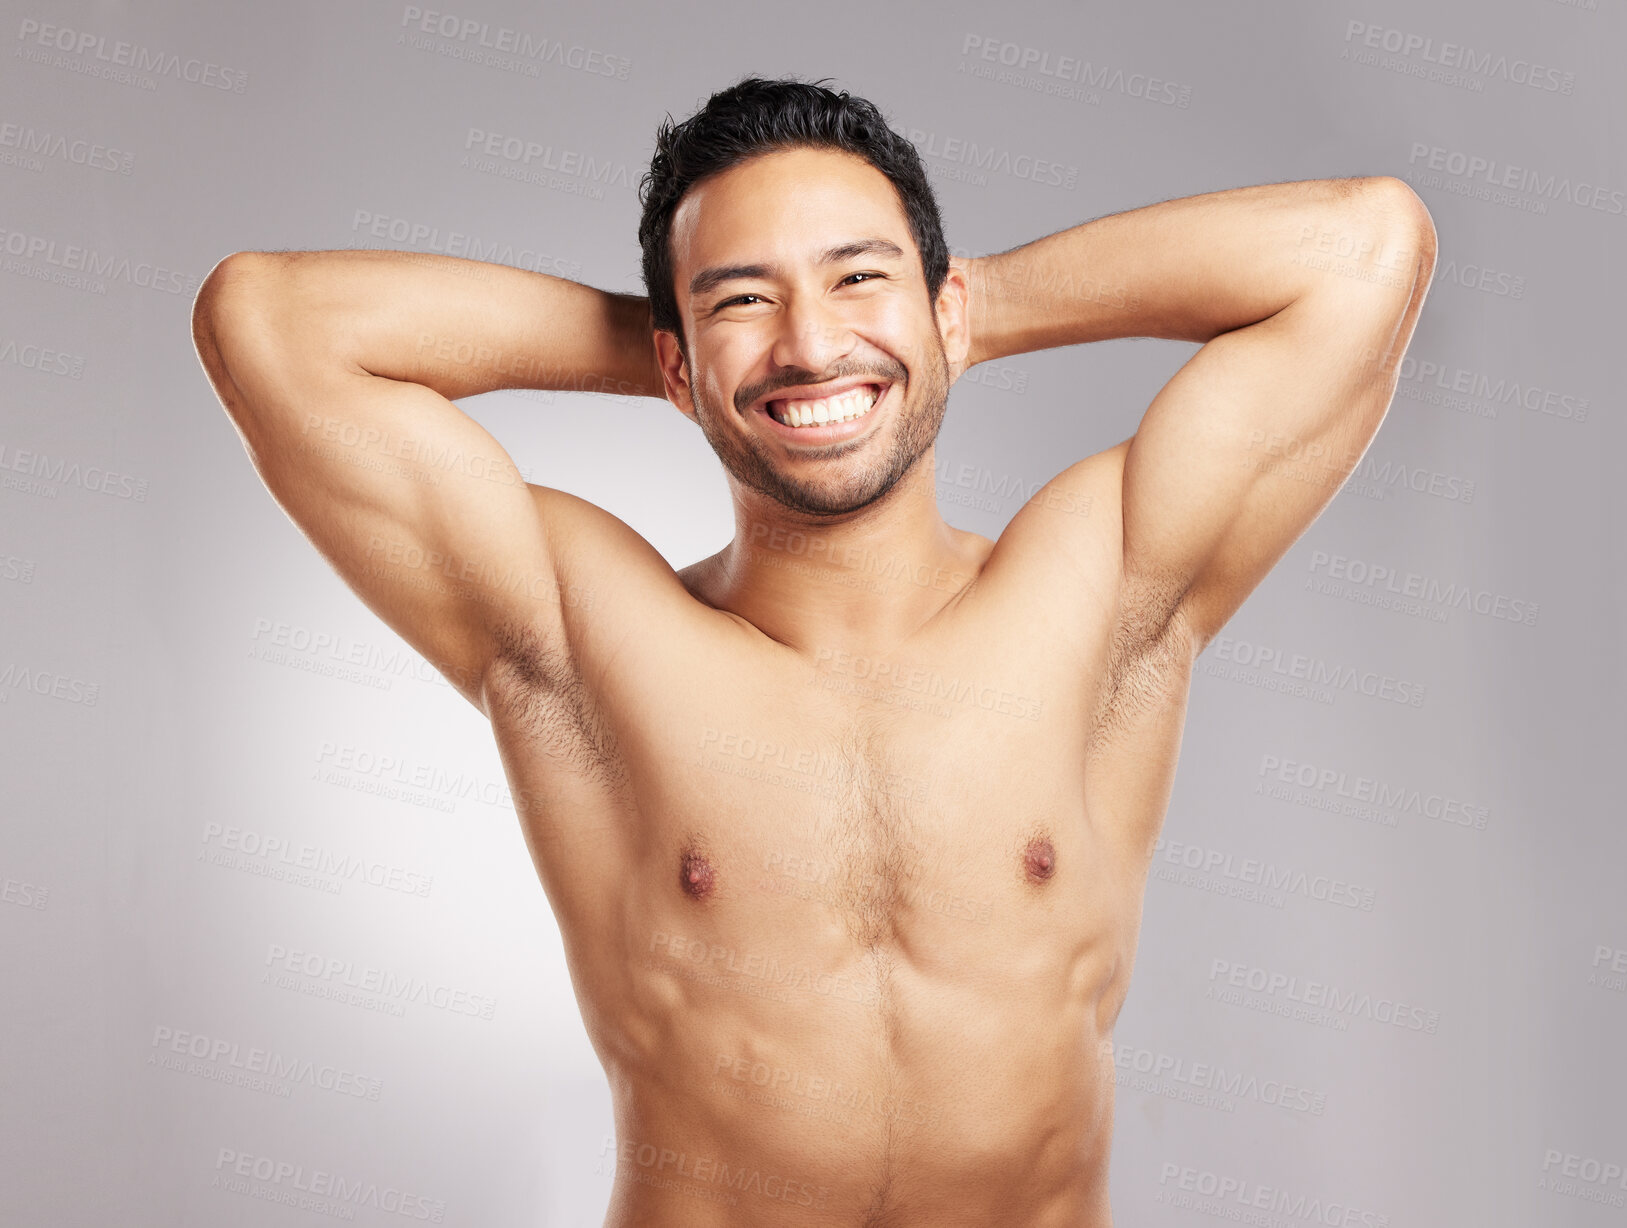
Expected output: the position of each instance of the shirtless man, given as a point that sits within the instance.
(846, 827)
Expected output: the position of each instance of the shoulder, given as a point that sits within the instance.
(602, 563)
(605, 583)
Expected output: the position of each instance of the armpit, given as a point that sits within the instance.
(1151, 651)
(535, 690)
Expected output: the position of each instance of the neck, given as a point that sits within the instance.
(863, 579)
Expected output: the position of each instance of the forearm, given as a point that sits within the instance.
(1194, 268)
(460, 327)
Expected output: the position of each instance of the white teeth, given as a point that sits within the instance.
(840, 408)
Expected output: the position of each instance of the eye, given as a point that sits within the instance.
(739, 298)
(851, 276)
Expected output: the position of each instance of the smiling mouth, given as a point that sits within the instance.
(827, 411)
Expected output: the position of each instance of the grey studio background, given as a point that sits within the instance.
(223, 772)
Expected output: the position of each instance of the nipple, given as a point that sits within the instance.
(696, 876)
(1039, 859)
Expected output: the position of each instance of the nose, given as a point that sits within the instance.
(813, 336)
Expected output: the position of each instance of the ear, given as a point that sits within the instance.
(674, 373)
(954, 317)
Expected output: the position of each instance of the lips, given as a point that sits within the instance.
(845, 413)
(838, 407)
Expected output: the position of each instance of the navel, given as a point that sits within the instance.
(696, 878)
(1039, 859)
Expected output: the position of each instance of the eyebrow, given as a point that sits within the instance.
(710, 279)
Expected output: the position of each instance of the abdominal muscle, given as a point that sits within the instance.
(949, 1065)
(883, 1089)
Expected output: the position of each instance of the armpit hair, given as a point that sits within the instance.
(536, 688)
(1150, 650)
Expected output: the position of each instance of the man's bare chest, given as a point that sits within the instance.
(876, 812)
(875, 797)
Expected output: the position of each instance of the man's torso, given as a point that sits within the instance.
(850, 926)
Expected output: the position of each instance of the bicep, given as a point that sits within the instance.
(1252, 438)
(416, 506)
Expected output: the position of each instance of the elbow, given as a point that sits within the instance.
(223, 321)
(229, 306)
(206, 307)
(1401, 218)
(223, 284)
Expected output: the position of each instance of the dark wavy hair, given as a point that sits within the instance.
(758, 116)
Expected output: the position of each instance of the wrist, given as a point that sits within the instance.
(982, 343)
(990, 310)
(638, 372)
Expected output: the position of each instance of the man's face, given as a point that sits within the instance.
(797, 277)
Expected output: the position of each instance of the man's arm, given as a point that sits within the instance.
(1304, 296)
(338, 369)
